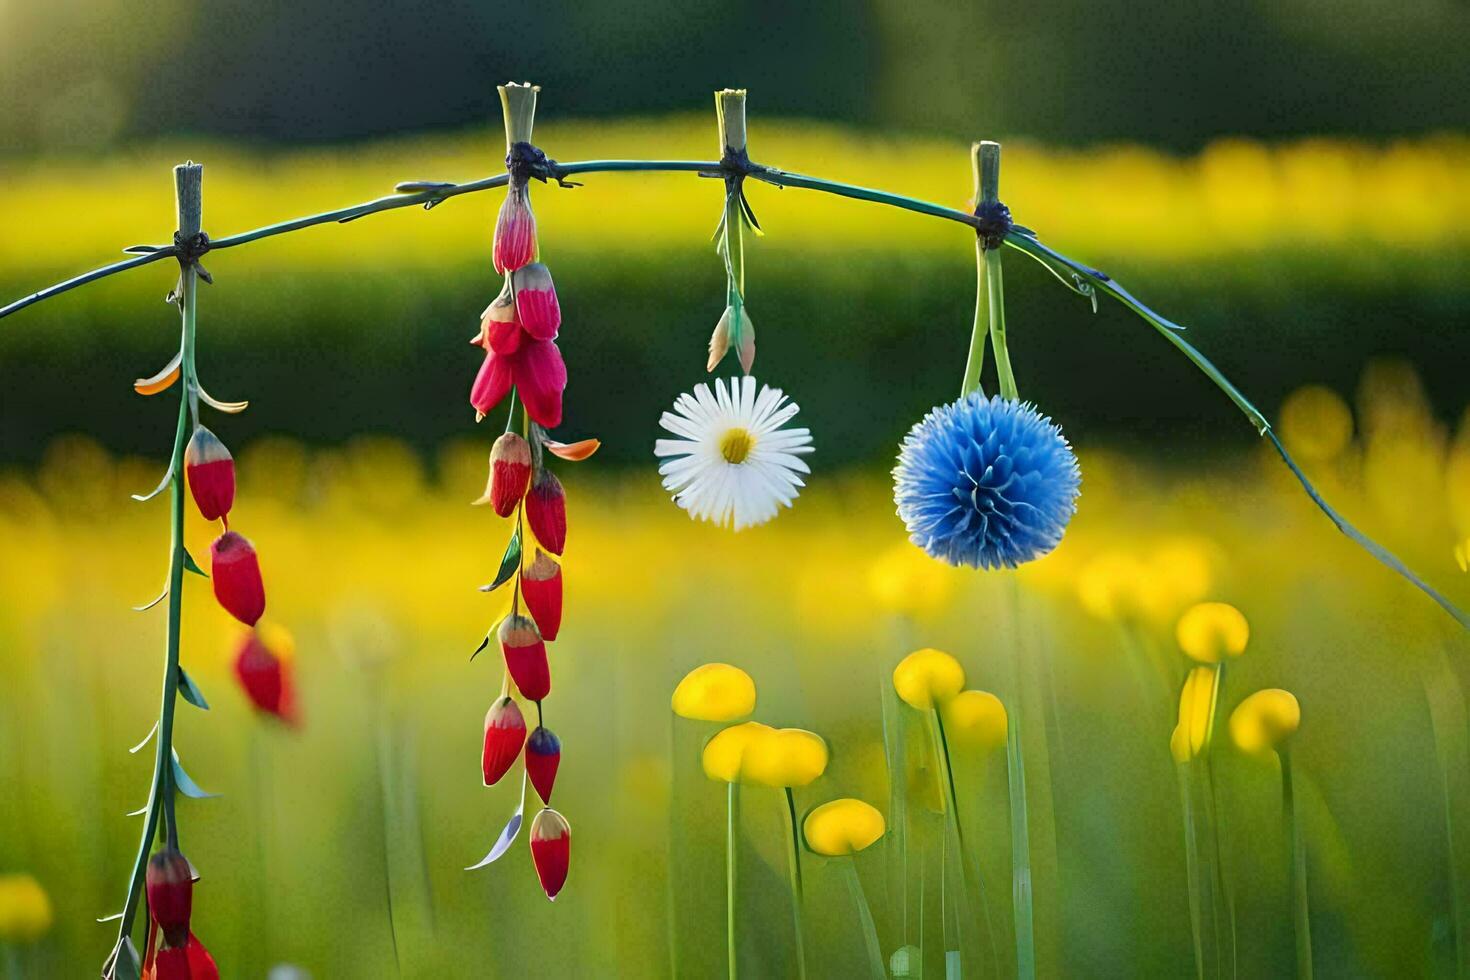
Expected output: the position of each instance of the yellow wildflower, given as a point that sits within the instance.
(714, 692)
(842, 827)
(975, 718)
(1264, 720)
(926, 678)
(1211, 631)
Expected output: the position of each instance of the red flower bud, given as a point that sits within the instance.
(525, 657)
(169, 882)
(491, 384)
(188, 962)
(500, 331)
(236, 574)
(536, 302)
(515, 230)
(546, 510)
(505, 733)
(541, 588)
(543, 755)
(551, 850)
(265, 674)
(510, 473)
(211, 472)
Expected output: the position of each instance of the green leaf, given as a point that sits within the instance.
(509, 564)
(186, 785)
(191, 691)
(486, 641)
(125, 964)
(191, 565)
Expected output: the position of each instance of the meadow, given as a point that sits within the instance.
(339, 847)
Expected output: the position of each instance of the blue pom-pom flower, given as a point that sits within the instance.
(986, 482)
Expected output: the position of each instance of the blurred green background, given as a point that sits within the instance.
(1290, 180)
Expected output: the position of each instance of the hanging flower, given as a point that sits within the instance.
(988, 483)
(188, 962)
(543, 756)
(236, 575)
(510, 474)
(169, 882)
(525, 657)
(733, 464)
(536, 303)
(551, 850)
(211, 472)
(263, 666)
(537, 372)
(714, 692)
(842, 827)
(505, 733)
(541, 588)
(500, 327)
(515, 229)
(546, 511)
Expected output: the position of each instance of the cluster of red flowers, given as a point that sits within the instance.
(235, 570)
(518, 332)
(181, 956)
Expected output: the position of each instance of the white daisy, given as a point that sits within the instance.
(733, 464)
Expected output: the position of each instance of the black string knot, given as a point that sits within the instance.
(189, 249)
(526, 161)
(992, 223)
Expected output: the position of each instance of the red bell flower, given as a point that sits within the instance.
(263, 665)
(536, 370)
(543, 756)
(515, 229)
(536, 302)
(211, 472)
(551, 850)
(510, 474)
(169, 883)
(235, 571)
(500, 329)
(541, 588)
(190, 961)
(525, 657)
(546, 510)
(505, 733)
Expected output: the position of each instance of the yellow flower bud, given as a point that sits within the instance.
(975, 718)
(1195, 702)
(1264, 720)
(714, 692)
(842, 827)
(926, 678)
(785, 757)
(906, 581)
(1316, 423)
(725, 754)
(25, 909)
(1211, 631)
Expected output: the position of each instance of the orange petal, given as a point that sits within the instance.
(574, 451)
(162, 380)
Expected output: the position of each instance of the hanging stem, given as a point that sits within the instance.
(1300, 915)
(188, 181)
(793, 869)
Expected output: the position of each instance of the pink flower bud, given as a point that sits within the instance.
(543, 755)
(235, 571)
(211, 472)
(491, 384)
(169, 882)
(541, 588)
(265, 676)
(510, 474)
(540, 376)
(505, 733)
(500, 329)
(515, 230)
(551, 850)
(546, 510)
(536, 303)
(525, 657)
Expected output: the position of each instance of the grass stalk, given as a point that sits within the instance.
(1300, 912)
(876, 965)
(732, 803)
(794, 872)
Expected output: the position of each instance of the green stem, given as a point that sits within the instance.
(1192, 868)
(1225, 898)
(941, 747)
(794, 871)
(188, 181)
(732, 800)
(975, 362)
(876, 965)
(995, 297)
(1300, 915)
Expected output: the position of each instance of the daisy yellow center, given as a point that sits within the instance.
(735, 445)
